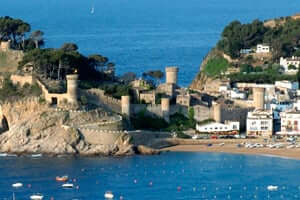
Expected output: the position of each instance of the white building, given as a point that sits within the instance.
(260, 123)
(236, 94)
(290, 121)
(261, 48)
(279, 107)
(287, 85)
(228, 128)
(286, 62)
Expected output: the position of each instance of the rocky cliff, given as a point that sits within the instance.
(202, 81)
(36, 127)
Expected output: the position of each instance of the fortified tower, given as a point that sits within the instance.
(125, 105)
(259, 98)
(217, 112)
(72, 85)
(171, 75)
(5, 45)
(165, 108)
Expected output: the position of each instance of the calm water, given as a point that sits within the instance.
(139, 35)
(200, 176)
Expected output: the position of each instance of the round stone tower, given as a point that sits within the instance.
(259, 98)
(72, 86)
(165, 108)
(125, 105)
(5, 45)
(171, 75)
(217, 112)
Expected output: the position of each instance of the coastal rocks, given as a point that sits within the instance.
(141, 149)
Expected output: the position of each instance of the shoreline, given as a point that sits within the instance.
(233, 149)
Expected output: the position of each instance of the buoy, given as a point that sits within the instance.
(150, 183)
(135, 181)
(178, 188)
(121, 198)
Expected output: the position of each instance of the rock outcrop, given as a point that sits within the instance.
(37, 128)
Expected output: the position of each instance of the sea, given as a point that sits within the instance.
(142, 35)
(172, 176)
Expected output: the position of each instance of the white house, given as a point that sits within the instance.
(260, 123)
(286, 62)
(290, 121)
(287, 85)
(236, 94)
(261, 48)
(229, 127)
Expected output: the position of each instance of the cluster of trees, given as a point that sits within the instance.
(284, 38)
(153, 76)
(57, 63)
(17, 31)
(247, 68)
(237, 36)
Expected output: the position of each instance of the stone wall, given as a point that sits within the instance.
(98, 97)
(104, 137)
(22, 80)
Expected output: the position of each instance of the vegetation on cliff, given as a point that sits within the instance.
(283, 38)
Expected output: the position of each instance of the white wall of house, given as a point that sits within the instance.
(218, 127)
(287, 85)
(290, 123)
(262, 48)
(260, 123)
(286, 62)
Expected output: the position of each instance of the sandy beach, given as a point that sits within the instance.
(230, 146)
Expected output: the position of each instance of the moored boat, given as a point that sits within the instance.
(68, 185)
(62, 178)
(17, 185)
(272, 187)
(36, 197)
(108, 195)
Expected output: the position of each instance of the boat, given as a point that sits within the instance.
(36, 155)
(93, 10)
(36, 197)
(3, 154)
(272, 187)
(108, 195)
(62, 178)
(68, 185)
(17, 185)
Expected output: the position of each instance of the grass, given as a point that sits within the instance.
(216, 66)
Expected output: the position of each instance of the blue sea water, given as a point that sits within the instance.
(182, 176)
(139, 35)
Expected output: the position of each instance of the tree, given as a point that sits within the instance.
(37, 37)
(69, 47)
(292, 67)
(157, 75)
(128, 77)
(14, 30)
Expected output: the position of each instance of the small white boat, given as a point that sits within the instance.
(272, 187)
(68, 185)
(17, 185)
(36, 197)
(108, 195)
(93, 10)
(36, 155)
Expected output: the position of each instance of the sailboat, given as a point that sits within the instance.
(93, 10)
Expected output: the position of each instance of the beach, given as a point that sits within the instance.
(231, 146)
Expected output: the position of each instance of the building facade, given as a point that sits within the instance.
(286, 62)
(228, 128)
(261, 48)
(290, 121)
(260, 123)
